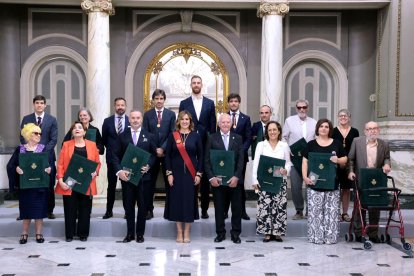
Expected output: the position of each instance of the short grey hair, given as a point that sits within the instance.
(302, 101)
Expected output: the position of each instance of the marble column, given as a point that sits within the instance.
(98, 76)
(271, 86)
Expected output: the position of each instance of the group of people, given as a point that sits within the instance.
(180, 148)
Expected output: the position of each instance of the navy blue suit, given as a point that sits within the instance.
(109, 139)
(132, 194)
(49, 137)
(167, 126)
(257, 135)
(204, 125)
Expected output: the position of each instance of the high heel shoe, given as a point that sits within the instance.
(23, 238)
(179, 237)
(39, 238)
(187, 237)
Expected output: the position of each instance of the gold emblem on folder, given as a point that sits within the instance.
(33, 166)
(135, 160)
(321, 166)
(299, 154)
(80, 170)
(373, 182)
(270, 170)
(221, 163)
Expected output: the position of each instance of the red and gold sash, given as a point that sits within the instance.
(184, 154)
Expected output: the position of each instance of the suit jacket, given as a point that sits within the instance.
(215, 141)
(49, 129)
(244, 129)
(207, 122)
(167, 125)
(357, 156)
(99, 142)
(292, 130)
(66, 153)
(109, 135)
(146, 141)
(256, 129)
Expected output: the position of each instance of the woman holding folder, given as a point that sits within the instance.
(184, 159)
(33, 202)
(271, 207)
(323, 192)
(77, 206)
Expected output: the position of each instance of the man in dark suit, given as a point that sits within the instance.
(203, 113)
(111, 128)
(226, 140)
(132, 194)
(258, 127)
(368, 152)
(49, 127)
(159, 121)
(241, 125)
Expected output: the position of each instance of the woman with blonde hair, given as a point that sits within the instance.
(33, 202)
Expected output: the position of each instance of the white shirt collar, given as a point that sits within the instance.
(156, 110)
(196, 98)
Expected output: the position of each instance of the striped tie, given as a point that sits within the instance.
(119, 126)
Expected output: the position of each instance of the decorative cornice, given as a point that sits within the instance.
(98, 6)
(269, 8)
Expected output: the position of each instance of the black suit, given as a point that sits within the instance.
(204, 125)
(220, 193)
(132, 194)
(109, 139)
(49, 137)
(161, 134)
(257, 135)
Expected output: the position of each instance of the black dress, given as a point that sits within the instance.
(181, 203)
(33, 203)
(99, 141)
(346, 142)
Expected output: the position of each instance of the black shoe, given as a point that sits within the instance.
(140, 239)
(69, 239)
(23, 239)
(39, 238)
(277, 238)
(375, 239)
(226, 215)
(150, 215)
(83, 239)
(358, 238)
(220, 238)
(51, 216)
(108, 215)
(18, 218)
(204, 215)
(128, 238)
(236, 239)
(245, 216)
(267, 239)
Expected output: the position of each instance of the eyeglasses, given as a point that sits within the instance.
(372, 129)
(37, 133)
(343, 116)
(302, 107)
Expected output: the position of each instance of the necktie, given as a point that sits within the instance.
(119, 126)
(39, 121)
(234, 119)
(159, 118)
(225, 141)
(134, 137)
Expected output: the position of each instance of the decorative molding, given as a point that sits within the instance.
(379, 45)
(158, 15)
(216, 16)
(397, 130)
(336, 44)
(31, 40)
(98, 6)
(186, 20)
(271, 8)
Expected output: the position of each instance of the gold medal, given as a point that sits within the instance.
(158, 125)
(178, 141)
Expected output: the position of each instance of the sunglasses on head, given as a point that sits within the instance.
(302, 107)
(37, 133)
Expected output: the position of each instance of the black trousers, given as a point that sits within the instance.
(220, 195)
(132, 195)
(78, 207)
(149, 193)
(51, 198)
(243, 193)
(112, 180)
(204, 193)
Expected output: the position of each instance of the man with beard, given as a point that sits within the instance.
(258, 127)
(111, 128)
(368, 152)
(297, 127)
(203, 112)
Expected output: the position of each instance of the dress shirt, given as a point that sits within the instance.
(198, 103)
(123, 121)
(372, 154)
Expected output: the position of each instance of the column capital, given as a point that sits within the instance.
(98, 6)
(272, 8)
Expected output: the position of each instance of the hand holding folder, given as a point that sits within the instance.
(78, 175)
(133, 161)
(222, 163)
(268, 173)
(33, 166)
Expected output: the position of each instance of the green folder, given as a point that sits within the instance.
(370, 180)
(268, 173)
(296, 157)
(222, 163)
(135, 158)
(33, 166)
(78, 175)
(322, 170)
(259, 138)
(91, 134)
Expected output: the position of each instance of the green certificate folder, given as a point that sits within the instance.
(322, 170)
(91, 134)
(296, 157)
(268, 173)
(78, 175)
(33, 166)
(134, 158)
(372, 182)
(222, 163)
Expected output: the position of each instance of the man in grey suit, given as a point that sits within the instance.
(49, 127)
(159, 121)
(296, 127)
(368, 152)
